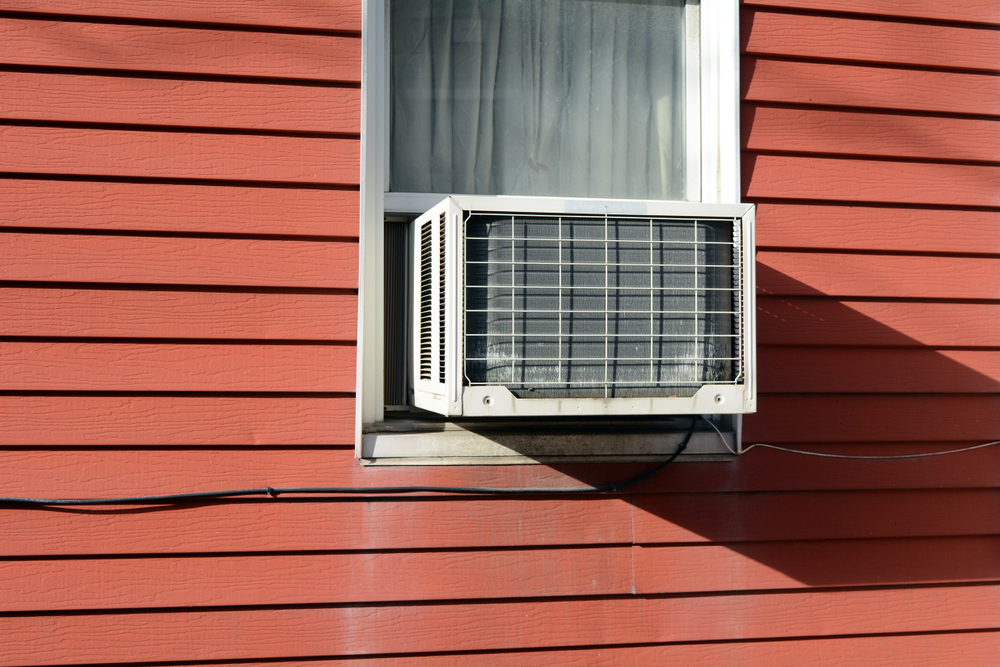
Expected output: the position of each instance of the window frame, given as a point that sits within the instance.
(718, 165)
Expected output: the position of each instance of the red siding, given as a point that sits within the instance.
(840, 84)
(873, 40)
(227, 634)
(935, 649)
(181, 50)
(178, 260)
(332, 15)
(75, 98)
(190, 208)
(181, 155)
(179, 221)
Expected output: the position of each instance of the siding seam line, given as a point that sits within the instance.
(632, 547)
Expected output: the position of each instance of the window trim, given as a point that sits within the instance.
(719, 161)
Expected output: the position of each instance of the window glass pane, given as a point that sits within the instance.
(538, 97)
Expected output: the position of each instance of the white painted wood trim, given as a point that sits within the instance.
(447, 446)
(718, 157)
(369, 383)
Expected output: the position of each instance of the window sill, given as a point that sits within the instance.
(440, 442)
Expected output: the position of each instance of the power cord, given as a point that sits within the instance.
(274, 492)
(897, 457)
(353, 490)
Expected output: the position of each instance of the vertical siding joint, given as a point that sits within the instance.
(632, 547)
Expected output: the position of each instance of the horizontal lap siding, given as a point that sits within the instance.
(973, 11)
(972, 648)
(874, 40)
(788, 320)
(234, 634)
(333, 15)
(864, 147)
(883, 134)
(179, 226)
(183, 155)
(840, 84)
(179, 217)
(179, 467)
(473, 523)
(53, 310)
(176, 102)
(178, 214)
(180, 50)
(914, 229)
(869, 141)
(135, 367)
(174, 261)
(868, 181)
(869, 137)
(344, 578)
(178, 208)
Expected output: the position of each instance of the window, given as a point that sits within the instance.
(568, 98)
(599, 101)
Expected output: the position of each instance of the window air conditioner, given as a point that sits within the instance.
(576, 307)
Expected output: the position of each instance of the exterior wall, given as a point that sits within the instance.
(179, 216)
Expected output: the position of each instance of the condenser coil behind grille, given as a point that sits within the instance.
(600, 306)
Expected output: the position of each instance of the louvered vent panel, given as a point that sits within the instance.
(442, 296)
(426, 296)
(601, 306)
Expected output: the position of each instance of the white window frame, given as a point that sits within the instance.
(713, 156)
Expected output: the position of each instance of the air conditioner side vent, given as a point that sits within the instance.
(442, 294)
(435, 303)
(426, 294)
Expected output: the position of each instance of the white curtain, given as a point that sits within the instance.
(575, 98)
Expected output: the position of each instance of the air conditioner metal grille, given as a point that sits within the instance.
(602, 306)
(739, 351)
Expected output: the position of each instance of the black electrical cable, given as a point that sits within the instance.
(354, 490)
